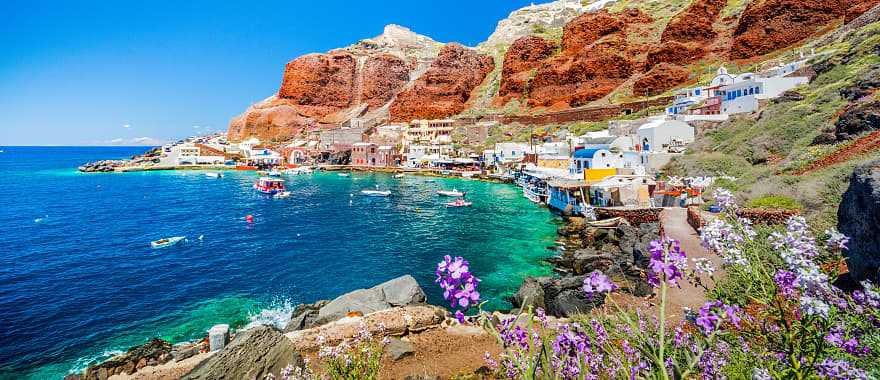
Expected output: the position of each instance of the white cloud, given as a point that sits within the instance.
(196, 127)
(116, 141)
(127, 126)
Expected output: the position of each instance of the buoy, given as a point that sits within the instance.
(249, 218)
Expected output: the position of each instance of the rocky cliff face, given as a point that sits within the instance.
(593, 62)
(524, 56)
(524, 21)
(859, 218)
(770, 25)
(320, 90)
(445, 88)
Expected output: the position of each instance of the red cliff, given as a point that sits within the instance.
(445, 88)
(769, 25)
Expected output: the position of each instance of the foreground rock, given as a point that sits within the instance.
(620, 251)
(253, 353)
(401, 291)
(152, 353)
(859, 218)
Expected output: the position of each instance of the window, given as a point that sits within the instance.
(697, 92)
(757, 90)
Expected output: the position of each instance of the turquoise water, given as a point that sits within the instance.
(78, 279)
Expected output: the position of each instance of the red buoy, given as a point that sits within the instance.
(249, 218)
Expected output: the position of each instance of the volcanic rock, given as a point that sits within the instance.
(523, 22)
(273, 119)
(399, 349)
(522, 58)
(382, 77)
(445, 88)
(789, 96)
(858, 217)
(676, 53)
(858, 8)
(694, 24)
(574, 81)
(858, 118)
(320, 84)
(769, 25)
(661, 78)
(253, 354)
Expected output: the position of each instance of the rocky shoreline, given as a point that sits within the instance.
(106, 166)
(616, 247)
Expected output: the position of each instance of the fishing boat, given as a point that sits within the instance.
(214, 175)
(166, 242)
(450, 193)
(283, 194)
(460, 202)
(375, 193)
(268, 185)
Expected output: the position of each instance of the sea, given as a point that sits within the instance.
(80, 283)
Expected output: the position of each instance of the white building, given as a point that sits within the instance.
(660, 134)
(418, 155)
(507, 152)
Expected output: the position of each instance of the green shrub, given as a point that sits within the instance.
(775, 202)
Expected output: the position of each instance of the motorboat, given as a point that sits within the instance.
(274, 173)
(268, 185)
(166, 242)
(214, 175)
(450, 193)
(344, 174)
(400, 175)
(376, 193)
(460, 202)
(282, 194)
(299, 170)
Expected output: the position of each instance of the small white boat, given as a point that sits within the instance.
(274, 173)
(401, 175)
(375, 193)
(283, 194)
(459, 203)
(344, 174)
(214, 175)
(450, 193)
(167, 242)
(299, 170)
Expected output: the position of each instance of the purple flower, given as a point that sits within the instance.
(667, 263)
(839, 370)
(836, 240)
(459, 316)
(724, 199)
(458, 284)
(787, 283)
(598, 283)
(711, 314)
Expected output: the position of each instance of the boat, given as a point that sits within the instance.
(450, 193)
(262, 172)
(375, 193)
(299, 170)
(460, 202)
(166, 242)
(283, 194)
(401, 175)
(274, 173)
(268, 185)
(214, 175)
(344, 174)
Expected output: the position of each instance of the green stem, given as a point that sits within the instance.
(662, 363)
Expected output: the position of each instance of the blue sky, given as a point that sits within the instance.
(116, 72)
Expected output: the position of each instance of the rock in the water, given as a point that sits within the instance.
(531, 293)
(253, 353)
(399, 349)
(155, 350)
(859, 218)
(401, 291)
(304, 316)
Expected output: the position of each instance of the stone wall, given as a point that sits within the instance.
(635, 216)
(695, 218)
(766, 216)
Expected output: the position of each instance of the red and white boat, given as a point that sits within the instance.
(268, 185)
(460, 202)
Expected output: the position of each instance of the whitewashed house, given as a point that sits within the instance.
(660, 134)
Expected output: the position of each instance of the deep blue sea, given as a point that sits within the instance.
(79, 281)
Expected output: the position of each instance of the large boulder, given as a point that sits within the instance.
(858, 118)
(401, 291)
(154, 352)
(859, 218)
(253, 354)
